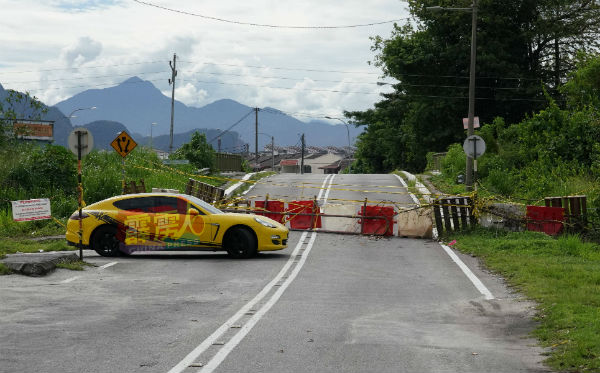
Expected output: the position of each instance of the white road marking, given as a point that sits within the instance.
(71, 279)
(218, 358)
(470, 275)
(192, 356)
(414, 198)
(107, 265)
(328, 189)
(236, 339)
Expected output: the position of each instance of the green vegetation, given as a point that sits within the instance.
(198, 151)
(33, 171)
(25, 245)
(74, 266)
(562, 275)
(525, 50)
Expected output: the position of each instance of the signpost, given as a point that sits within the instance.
(123, 144)
(80, 142)
(474, 146)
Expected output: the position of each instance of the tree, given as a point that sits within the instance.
(430, 61)
(16, 105)
(197, 151)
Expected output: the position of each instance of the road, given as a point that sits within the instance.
(328, 303)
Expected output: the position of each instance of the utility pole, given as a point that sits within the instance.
(219, 145)
(256, 138)
(470, 128)
(172, 82)
(302, 161)
(272, 153)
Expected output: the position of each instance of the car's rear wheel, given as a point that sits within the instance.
(105, 241)
(240, 243)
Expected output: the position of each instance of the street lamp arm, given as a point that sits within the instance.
(84, 108)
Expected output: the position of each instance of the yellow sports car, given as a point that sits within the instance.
(163, 221)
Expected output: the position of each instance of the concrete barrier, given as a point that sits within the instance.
(415, 223)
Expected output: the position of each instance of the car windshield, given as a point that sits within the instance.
(205, 206)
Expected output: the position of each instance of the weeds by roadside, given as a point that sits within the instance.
(562, 275)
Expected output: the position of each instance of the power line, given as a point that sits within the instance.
(233, 125)
(267, 25)
(283, 68)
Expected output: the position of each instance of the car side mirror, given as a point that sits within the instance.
(193, 212)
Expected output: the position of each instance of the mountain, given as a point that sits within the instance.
(62, 125)
(105, 131)
(137, 104)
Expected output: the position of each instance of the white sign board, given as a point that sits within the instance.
(81, 138)
(31, 209)
(475, 122)
(474, 146)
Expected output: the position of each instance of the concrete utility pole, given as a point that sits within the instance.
(256, 138)
(273, 153)
(302, 161)
(172, 82)
(470, 128)
(219, 145)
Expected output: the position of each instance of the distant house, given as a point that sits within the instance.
(337, 166)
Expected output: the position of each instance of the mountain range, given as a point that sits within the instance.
(135, 104)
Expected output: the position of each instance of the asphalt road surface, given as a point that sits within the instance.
(328, 303)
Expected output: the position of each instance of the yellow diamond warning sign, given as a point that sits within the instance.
(123, 144)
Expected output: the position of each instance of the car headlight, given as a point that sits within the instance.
(265, 223)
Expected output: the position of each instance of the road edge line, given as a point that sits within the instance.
(470, 275)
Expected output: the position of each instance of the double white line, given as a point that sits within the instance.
(288, 273)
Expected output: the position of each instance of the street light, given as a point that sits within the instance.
(83, 108)
(347, 129)
(470, 127)
(272, 149)
(152, 125)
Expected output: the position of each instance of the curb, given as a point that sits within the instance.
(37, 264)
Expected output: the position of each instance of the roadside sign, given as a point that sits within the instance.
(474, 146)
(175, 161)
(123, 144)
(81, 138)
(475, 122)
(31, 209)
(34, 130)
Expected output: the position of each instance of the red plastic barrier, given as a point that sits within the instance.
(545, 219)
(303, 221)
(383, 226)
(272, 206)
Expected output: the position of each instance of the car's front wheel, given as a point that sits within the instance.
(105, 241)
(240, 243)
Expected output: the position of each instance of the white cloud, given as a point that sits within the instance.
(116, 40)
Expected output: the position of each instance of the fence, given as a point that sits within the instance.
(453, 214)
(228, 162)
(575, 211)
(205, 192)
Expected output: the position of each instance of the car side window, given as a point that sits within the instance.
(136, 204)
(173, 205)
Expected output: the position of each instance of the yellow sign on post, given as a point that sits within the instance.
(123, 144)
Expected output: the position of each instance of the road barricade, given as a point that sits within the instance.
(301, 215)
(271, 206)
(382, 225)
(545, 219)
(415, 223)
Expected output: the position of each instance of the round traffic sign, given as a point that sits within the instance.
(81, 138)
(474, 146)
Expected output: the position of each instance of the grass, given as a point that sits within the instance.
(74, 266)
(562, 275)
(24, 245)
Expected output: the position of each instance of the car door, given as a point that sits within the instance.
(179, 224)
